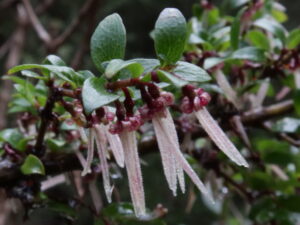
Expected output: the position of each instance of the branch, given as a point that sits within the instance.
(46, 116)
(55, 164)
(40, 30)
(85, 10)
(84, 45)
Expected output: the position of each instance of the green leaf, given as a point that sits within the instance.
(272, 26)
(190, 72)
(235, 30)
(63, 72)
(293, 39)
(279, 15)
(258, 39)
(55, 144)
(211, 62)
(170, 35)
(249, 53)
(54, 60)
(94, 94)
(14, 138)
(28, 73)
(287, 125)
(170, 78)
(148, 64)
(116, 65)
(32, 165)
(297, 102)
(108, 41)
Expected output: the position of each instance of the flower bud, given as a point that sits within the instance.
(168, 97)
(115, 128)
(186, 106)
(204, 98)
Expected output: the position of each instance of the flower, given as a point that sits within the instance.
(198, 103)
(100, 133)
(174, 162)
(134, 172)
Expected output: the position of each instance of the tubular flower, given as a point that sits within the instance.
(134, 172)
(174, 163)
(99, 132)
(200, 100)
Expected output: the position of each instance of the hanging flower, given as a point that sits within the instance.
(174, 163)
(103, 137)
(134, 172)
(196, 102)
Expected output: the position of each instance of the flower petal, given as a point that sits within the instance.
(219, 137)
(171, 131)
(103, 161)
(165, 147)
(90, 153)
(116, 146)
(134, 172)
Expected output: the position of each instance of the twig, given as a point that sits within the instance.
(85, 10)
(13, 59)
(46, 116)
(84, 45)
(40, 30)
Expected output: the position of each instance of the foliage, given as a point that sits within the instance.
(250, 65)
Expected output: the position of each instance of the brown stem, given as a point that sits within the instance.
(46, 116)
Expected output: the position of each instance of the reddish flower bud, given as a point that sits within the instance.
(168, 98)
(186, 106)
(116, 128)
(204, 98)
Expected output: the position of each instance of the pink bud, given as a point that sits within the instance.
(197, 103)
(186, 105)
(135, 121)
(204, 98)
(115, 128)
(110, 116)
(168, 97)
(199, 91)
(126, 125)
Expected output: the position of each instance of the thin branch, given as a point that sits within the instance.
(16, 47)
(40, 30)
(85, 10)
(84, 45)
(46, 116)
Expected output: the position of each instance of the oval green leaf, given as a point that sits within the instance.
(108, 41)
(32, 165)
(94, 94)
(170, 35)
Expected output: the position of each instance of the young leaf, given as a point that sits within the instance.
(32, 165)
(259, 39)
(94, 94)
(108, 41)
(235, 30)
(294, 39)
(272, 26)
(170, 35)
(148, 64)
(54, 60)
(117, 65)
(170, 78)
(190, 72)
(249, 53)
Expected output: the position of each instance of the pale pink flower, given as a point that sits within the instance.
(219, 137)
(103, 137)
(168, 144)
(213, 129)
(134, 172)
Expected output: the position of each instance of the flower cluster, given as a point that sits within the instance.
(119, 132)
